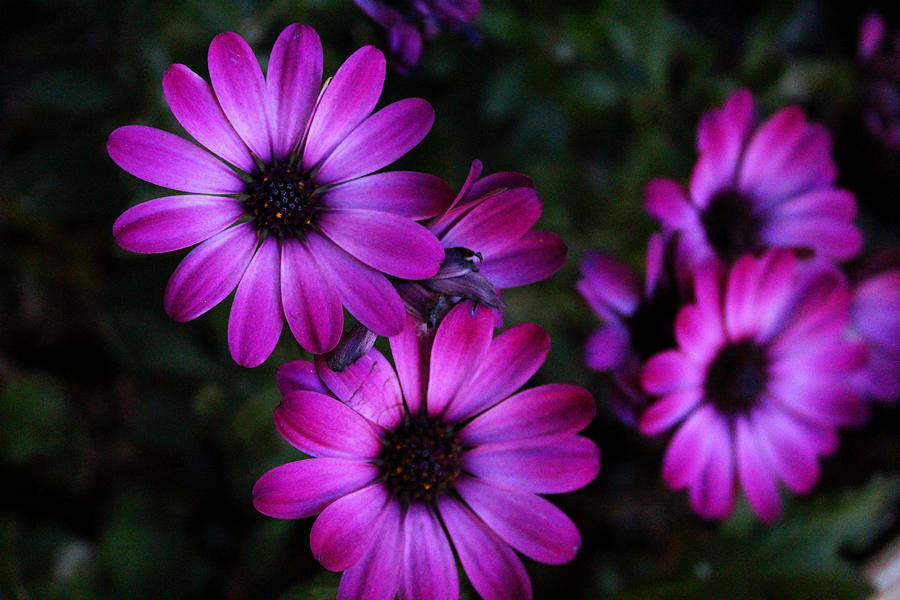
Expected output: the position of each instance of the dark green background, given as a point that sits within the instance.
(129, 444)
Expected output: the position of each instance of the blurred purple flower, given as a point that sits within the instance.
(753, 189)
(638, 320)
(409, 21)
(283, 203)
(875, 318)
(489, 246)
(436, 456)
(760, 381)
(880, 58)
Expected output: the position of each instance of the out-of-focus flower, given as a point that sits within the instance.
(880, 59)
(638, 320)
(436, 456)
(282, 201)
(409, 21)
(489, 245)
(760, 381)
(754, 189)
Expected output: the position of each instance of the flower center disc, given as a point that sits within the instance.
(737, 377)
(280, 202)
(731, 226)
(420, 459)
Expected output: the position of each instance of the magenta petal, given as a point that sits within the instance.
(712, 493)
(546, 468)
(511, 359)
(348, 527)
(257, 318)
(378, 141)
(461, 340)
(167, 160)
(348, 99)
(608, 348)
(366, 293)
(241, 90)
(669, 410)
(539, 414)
(688, 451)
(740, 294)
(174, 222)
(696, 336)
(369, 386)
(670, 371)
(195, 106)
(791, 456)
(303, 488)
(826, 202)
(386, 242)
(312, 305)
(533, 257)
(292, 85)
(834, 238)
(299, 375)
(429, 569)
(320, 425)
(493, 568)
(525, 521)
(607, 283)
(411, 349)
(495, 222)
(755, 475)
(376, 576)
(403, 193)
(667, 202)
(209, 272)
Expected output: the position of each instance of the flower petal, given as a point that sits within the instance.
(376, 576)
(366, 293)
(174, 222)
(669, 410)
(689, 449)
(167, 160)
(241, 90)
(525, 521)
(498, 220)
(792, 458)
(369, 386)
(323, 426)
(697, 337)
(712, 492)
(411, 349)
(740, 294)
(378, 141)
(834, 238)
(533, 257)
(608, 348)
(386, 242)
(403, 193)
(348, 527)
(461, 340)
(195, 106)
(293, 78)
(670, 371)
(312, 305)
(209, 272)
(493, 568)
(540, 414)
(666, 201)
(303, 488)
(511, 359)
(543, 468)
(299, 375)
(429, 569)
(348, 98)
(755, 475)
(608, 284)
(257, 318)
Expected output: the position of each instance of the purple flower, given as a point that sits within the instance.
(880, 61)
(281, 198)
(760, 381)
(638, 320)
(753, 189)
(489, 245)
(875, 318)
(408, 21)
(436, 457)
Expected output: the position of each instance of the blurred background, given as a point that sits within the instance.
(129, 443)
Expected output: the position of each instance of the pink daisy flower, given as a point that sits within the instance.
(281, 197)
(753, 189)
(434, 459)
(759, 383)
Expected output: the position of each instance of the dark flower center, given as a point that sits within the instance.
(420, 459)
(731, 225)
(737, 377)
(280, 201)
(652, 326)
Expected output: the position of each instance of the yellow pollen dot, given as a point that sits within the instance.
(398, 470)
(278, 215)
(427, 486)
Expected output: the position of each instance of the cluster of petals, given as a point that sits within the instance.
(515, 446)
(792, 316)
(409, 21)
(754, 188)
(875, 319)
(879, 54)
(361, 227)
